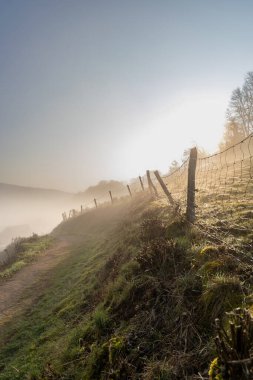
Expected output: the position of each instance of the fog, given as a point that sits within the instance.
(24, 211)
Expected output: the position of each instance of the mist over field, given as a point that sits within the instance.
(25, 211)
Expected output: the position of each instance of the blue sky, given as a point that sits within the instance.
(94, 90)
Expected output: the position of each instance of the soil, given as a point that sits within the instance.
(21, 290)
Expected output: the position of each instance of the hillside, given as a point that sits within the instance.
(16, 191)
(135, 297)
(101, 189)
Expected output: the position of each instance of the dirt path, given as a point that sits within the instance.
(15, 294)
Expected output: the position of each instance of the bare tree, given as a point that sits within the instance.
(240, 110)
(233, 133)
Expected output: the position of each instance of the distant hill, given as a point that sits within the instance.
(39, 210)
(15, 191)
(29, 209)
(101, 190)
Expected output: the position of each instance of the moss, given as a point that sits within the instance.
(210, 268)
(209, 250)
(215, 370)
(116, 344)
(222, 293)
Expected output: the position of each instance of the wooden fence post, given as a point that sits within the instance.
(129, 190)
(151, 186)
(81, 209)
(95, 201)
(142, 186)
(111, 196)
(190, 210)
(163, 186)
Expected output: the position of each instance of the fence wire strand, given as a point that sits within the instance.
(223, 188)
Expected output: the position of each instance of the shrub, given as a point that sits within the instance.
(101, 320)
(151, 229)
(162, 258)
(222, 293)
(234, 348)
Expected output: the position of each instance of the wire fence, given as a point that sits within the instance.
(224, 184)
(217, 189)
(225, 179)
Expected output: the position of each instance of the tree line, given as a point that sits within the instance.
(239, 120)
(239, 114)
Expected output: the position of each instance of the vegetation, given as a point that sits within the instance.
(21, 252)
(136, 299)
(102, 188)
(234, 348)
(239, 114)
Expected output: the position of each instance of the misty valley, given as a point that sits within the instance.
(25, 211)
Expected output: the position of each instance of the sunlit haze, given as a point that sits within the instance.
(95, 90)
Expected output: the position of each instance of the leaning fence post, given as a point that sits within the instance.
(129, 190)
(95, 201)
(151, 186)
(190, 210)
(163, 186)
(111, 196)
(142, 186)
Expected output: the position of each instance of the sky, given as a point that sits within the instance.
(97, 90)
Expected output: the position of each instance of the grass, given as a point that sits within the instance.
(136, 299)
(24, 251)
(15, 267)
(222, 293)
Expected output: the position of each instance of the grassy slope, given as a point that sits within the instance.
(23, 251)
(93, 242)
(136, 300)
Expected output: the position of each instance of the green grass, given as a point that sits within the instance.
(15, 267)
(62, 315)
(26, 250)
(133, 300)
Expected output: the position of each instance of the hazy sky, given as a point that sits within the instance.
(94, 90)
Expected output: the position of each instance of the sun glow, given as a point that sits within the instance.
(167, 132)
(199, 120)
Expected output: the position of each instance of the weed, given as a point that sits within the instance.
(13, 269)
(101, 320)
(22, 251)
(222, 293)
(158, 371)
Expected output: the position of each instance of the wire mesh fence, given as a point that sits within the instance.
(221, 189)
(224, 183)
(176, 183)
